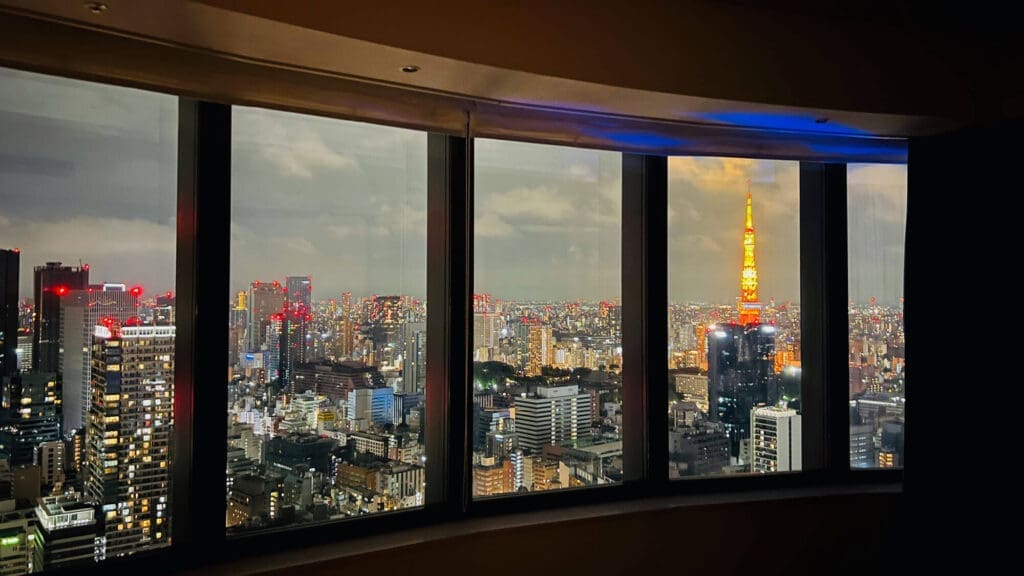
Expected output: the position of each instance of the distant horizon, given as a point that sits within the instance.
(92, 176)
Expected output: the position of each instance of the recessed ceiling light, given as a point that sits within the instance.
(410, 69)
(96, 7)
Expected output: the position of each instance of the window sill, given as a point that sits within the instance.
(295, 558)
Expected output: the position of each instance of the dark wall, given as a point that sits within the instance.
(822, 535)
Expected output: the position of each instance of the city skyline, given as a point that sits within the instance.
(355, 215)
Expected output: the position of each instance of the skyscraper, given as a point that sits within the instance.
(749, 307)
(81, 312)
(741, 375)
(414, 362)
(775, 440)
(540, 349)
(9, 277)
(265, 300)
(52, 283)
(295, 326)
(129, 435)
(29, 415)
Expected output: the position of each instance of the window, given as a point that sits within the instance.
(328, 320)
(547, 344)
(87, 273)
(876, 217)
(734, 316)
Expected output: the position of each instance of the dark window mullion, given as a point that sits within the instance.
(449, 292)
(200, 403)
(824, 325)
(645, 319)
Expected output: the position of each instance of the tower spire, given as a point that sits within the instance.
(749, 307)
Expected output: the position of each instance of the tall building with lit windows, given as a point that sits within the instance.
(540, 349)
(81, 312)
(775, 440)
(53, 282)
(127, 469)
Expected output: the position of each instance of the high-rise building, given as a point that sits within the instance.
(265, 300)
(70, 534)
(414, 362)
(741, 375)
(775, 440)
(129, 435)
(53, 282)
(749, 308)
(486, 330)
(540, 350)
(553, 415)
(29, 415)
(81, 312)
(24, 349)
(295, 328)
(9, 278)
(51, 461)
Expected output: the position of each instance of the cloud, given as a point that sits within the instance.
(702, 242)
(490, 225)
(543, 203)
(303, 154)
(581, 172)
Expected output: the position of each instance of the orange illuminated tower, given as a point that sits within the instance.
(749, 307)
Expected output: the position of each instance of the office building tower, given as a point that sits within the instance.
(414, 361)
(265, 300)
(81, 312)
(296, 319)
(9, 278)
(486, 330)
(741, 375)
(775, 441)
(24, 349)
(540, 349)
(53, 282)
(29, 415)
(386, 318)
(129, 435)
(51, 461)
(300, 291)
(70, 532)
(553, 415)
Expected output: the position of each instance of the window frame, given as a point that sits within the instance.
(203, 260)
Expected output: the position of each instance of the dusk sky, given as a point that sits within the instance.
(88, 172)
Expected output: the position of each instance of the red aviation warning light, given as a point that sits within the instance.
(60, 290)
(135, 291)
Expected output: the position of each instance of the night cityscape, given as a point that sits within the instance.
(327, 380)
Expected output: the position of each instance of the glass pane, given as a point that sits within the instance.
(87, 253)
(877, 217)
(734, 316)
(327, 340)
(547, 336)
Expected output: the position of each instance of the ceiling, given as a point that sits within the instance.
(866, 68)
